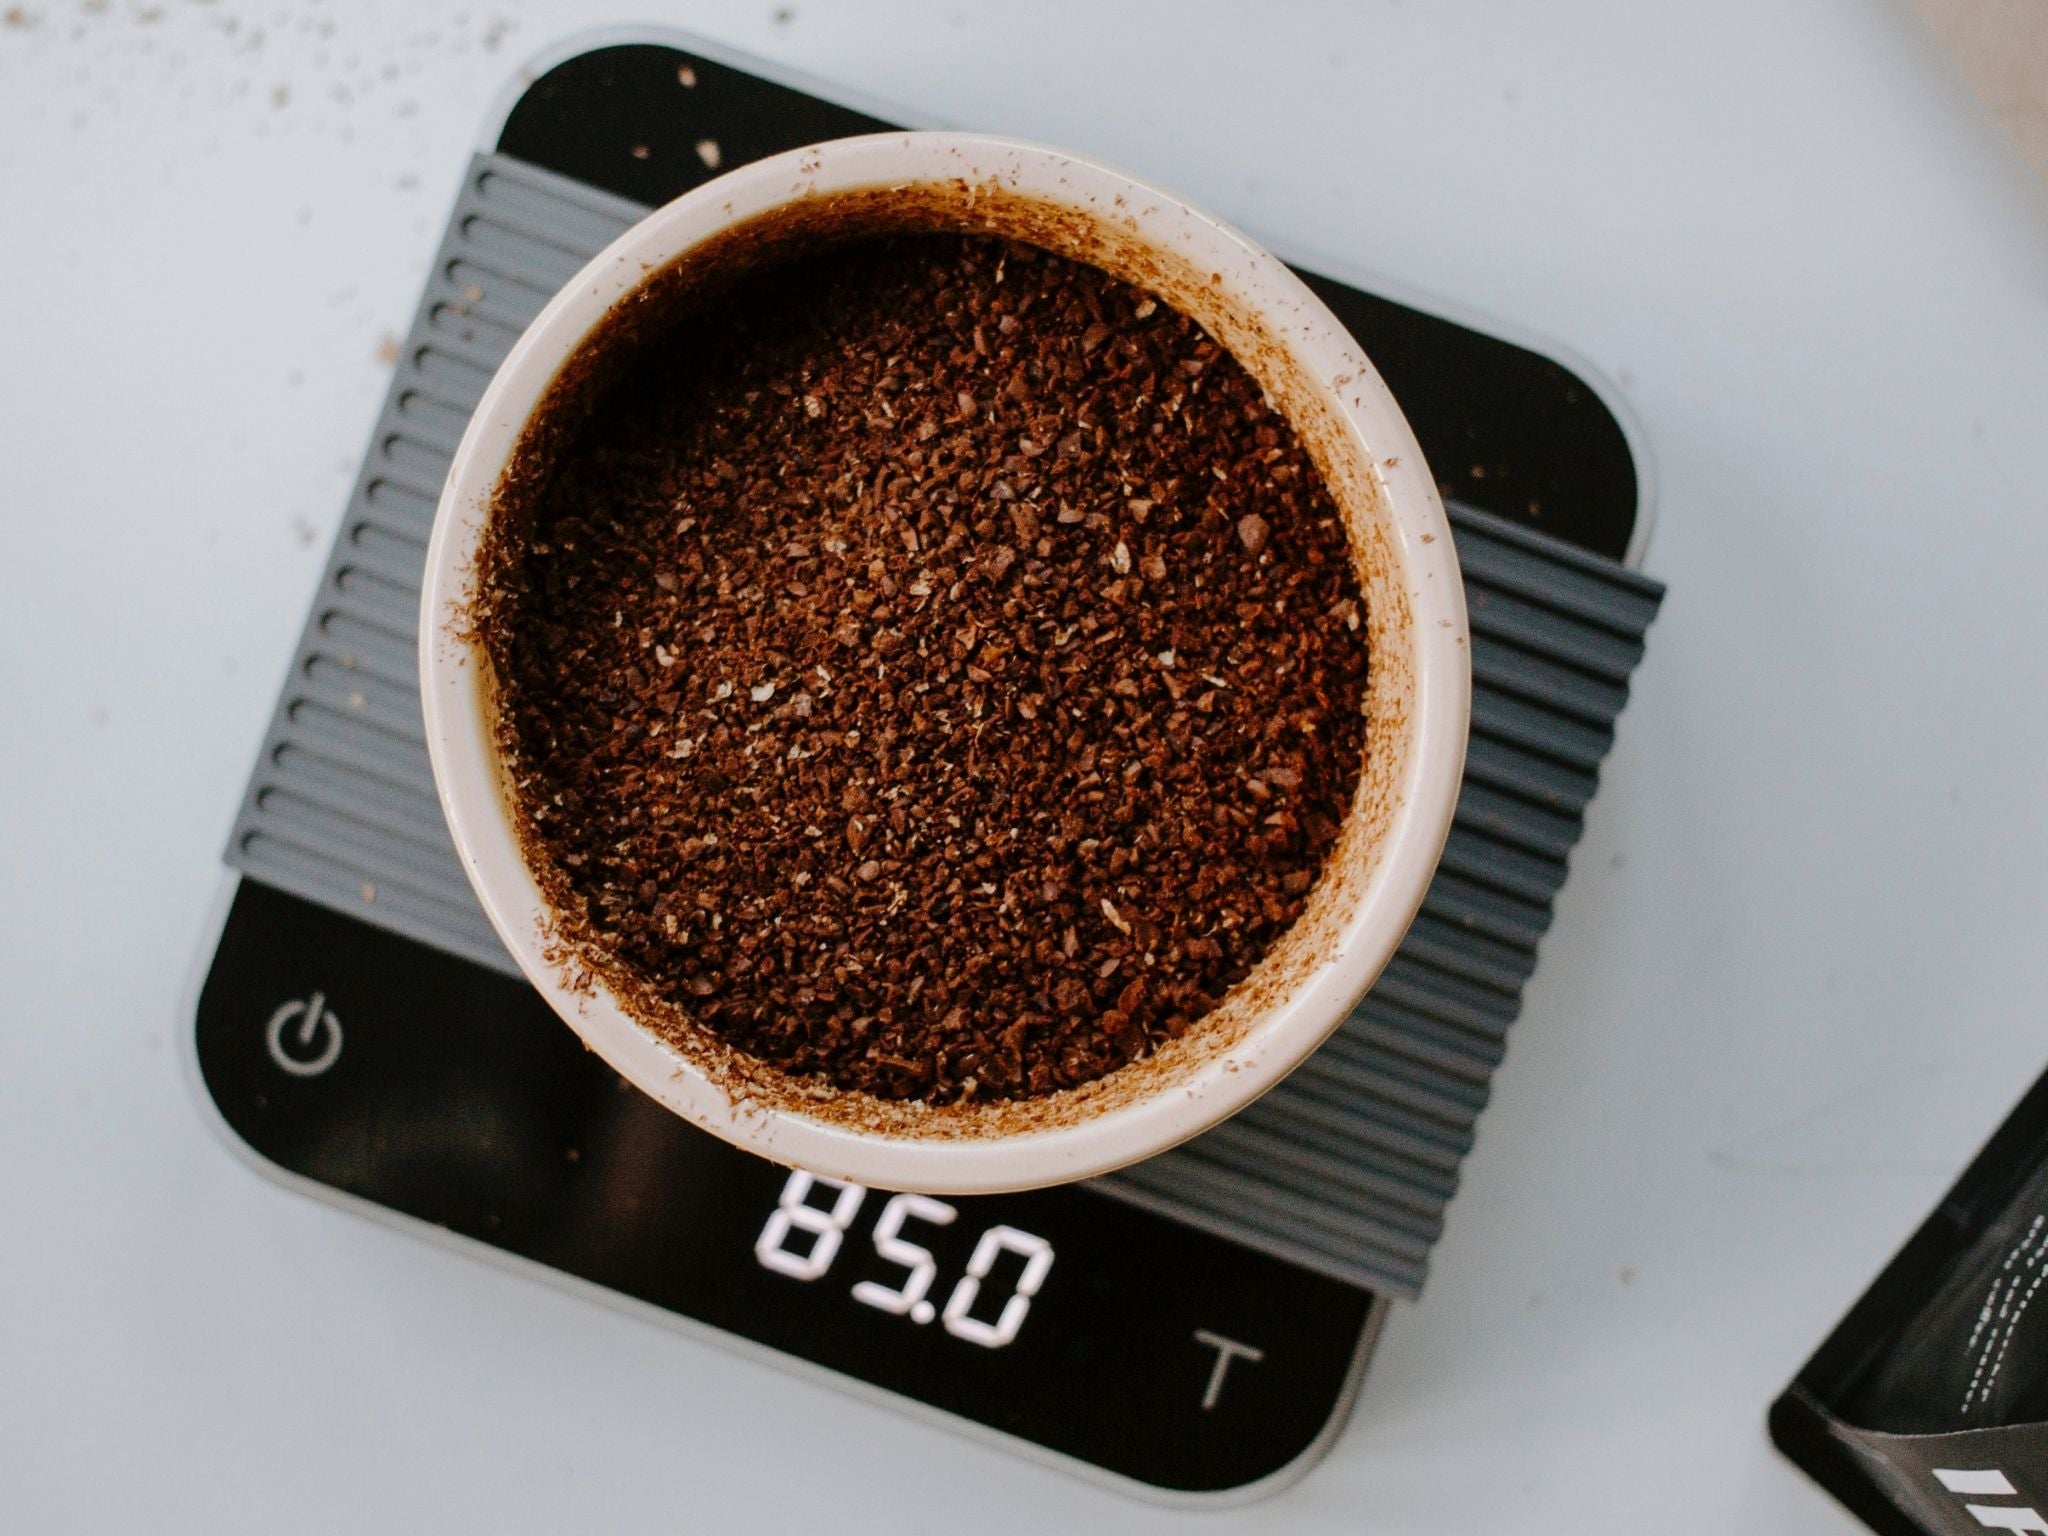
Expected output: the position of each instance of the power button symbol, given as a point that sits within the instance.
(313, 1045)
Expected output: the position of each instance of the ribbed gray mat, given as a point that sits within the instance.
(1347, 1166)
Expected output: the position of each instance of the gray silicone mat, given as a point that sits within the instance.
(1348, 1165)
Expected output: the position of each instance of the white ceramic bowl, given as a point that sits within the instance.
(1418, 691)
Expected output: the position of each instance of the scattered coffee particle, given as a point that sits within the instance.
(708, 151)
(641, 151)
(884, 681)
(687, 76)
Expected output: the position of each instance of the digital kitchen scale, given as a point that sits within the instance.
(1194, 1326)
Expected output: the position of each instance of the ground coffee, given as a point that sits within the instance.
(932, 666)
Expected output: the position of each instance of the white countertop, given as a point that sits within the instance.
(1799, 972)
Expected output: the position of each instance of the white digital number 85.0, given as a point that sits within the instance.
(827, 1230)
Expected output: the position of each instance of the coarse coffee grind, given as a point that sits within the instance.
(927, 663)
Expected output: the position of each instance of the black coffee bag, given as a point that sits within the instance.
(1927, 1409)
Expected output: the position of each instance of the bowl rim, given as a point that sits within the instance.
(464, 756)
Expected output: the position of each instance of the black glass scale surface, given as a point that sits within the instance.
(431, 1086)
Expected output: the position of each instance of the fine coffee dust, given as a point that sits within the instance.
(932, 666)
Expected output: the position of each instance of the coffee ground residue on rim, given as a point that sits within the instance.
(931, 667)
